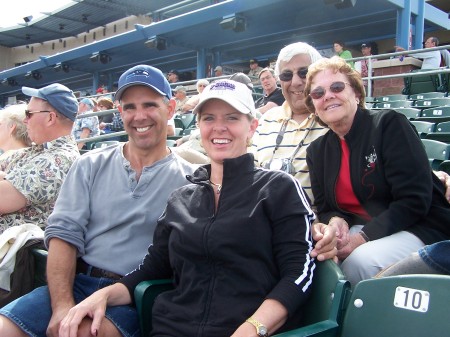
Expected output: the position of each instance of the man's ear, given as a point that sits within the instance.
(171, 106)
(52, 116)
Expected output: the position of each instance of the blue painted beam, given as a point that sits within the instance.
(431, 14)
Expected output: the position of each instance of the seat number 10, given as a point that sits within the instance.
(411, 299)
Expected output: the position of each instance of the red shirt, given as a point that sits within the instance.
(345, 197)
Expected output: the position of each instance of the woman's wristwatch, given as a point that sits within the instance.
(261, 330)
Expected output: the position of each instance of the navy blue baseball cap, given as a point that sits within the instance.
(58, 96)
(144, 75)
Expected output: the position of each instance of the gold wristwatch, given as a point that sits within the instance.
(261, 330)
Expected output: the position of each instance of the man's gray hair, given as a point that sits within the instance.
(294, 49)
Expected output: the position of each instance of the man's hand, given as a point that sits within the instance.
(445, 178)
(342, 231)
(55, 321)
(355, 240)
(326, 241)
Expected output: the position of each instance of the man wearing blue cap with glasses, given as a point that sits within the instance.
(105, 215)
(35, 175)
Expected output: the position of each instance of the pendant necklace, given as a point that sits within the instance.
(219, 186)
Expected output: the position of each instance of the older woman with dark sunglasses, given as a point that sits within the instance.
(370, 175)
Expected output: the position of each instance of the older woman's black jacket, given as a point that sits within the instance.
(390, 176)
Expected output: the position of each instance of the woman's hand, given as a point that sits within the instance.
(355, 240)
(326, 241)
(93, 307)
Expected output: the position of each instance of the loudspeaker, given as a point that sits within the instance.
(340, 4)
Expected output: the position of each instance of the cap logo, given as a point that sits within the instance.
(138, 72)
(222, 86)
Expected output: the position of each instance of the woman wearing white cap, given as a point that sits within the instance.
(236, 241)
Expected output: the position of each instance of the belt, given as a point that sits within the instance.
(84, 268)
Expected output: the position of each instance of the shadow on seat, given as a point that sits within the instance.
(323, 310)
(400, 306)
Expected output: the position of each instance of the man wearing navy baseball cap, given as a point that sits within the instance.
(33, 176)
(105, 215)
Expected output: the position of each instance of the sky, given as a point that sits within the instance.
(16, 10)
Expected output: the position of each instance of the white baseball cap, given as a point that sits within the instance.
(234, 93)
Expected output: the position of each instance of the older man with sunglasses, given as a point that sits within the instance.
(32, 177)
(286, 131)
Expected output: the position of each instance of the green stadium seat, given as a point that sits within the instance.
(392, 105)
(40, 266)
(390, 98)
(435, 115)
(324, 307)
(104, 143)
(400, 306)
(436, 151)
(441, 133)
(188, 120)
(421, 83)
(445, 166)
(410, 113)
(426, 95)
(171, 142)
(431, 102)
(423, 128)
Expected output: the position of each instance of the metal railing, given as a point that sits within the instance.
(370, 77)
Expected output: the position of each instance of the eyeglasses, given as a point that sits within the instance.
(335, 87)
(28, 113)
(287, 76)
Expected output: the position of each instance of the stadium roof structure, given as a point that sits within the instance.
(189, 35)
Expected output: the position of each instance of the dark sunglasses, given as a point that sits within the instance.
(28, 113)
(286, 76)
(335, 87)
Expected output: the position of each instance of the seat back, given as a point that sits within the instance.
(436, 151)
(443, 127)
(432, 102)
(423, 128)
(324, 308)
(390, 98)
(393, 104)
(410, 113)
(420, 83)
(188, 120)
(436, 115)
(105, 143)
(400, 306)
(40, 266)
(427, 95)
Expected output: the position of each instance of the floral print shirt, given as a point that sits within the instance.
(90, 123)
(38, 173)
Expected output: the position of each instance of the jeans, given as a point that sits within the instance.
(32, 312)
(437, 256)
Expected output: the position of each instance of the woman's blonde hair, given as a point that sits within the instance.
(336, 64)
(14, 115)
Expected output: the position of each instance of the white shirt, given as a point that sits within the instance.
(431, 59)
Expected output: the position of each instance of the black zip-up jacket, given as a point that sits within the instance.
(225, 263)
(390, 175)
